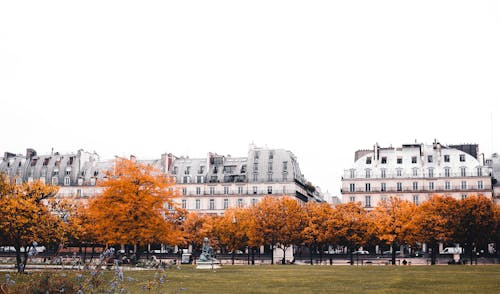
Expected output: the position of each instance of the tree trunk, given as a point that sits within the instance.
(393, 254)
(471, 252)
(352, 255)
(232, 257)
(272, 254)
(284, 253)
(253, 255)
(311, 254)
(434, 248)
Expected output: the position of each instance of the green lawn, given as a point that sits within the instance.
(311, 279)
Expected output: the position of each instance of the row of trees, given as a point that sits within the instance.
(133, 210)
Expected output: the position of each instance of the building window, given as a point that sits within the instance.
(352, 199)
(270, 177)
(399, 186)
(479, 172)
(415, 199)
(431, 173)
(383, 187)
(462, 157)
(255, 166)
(174, 172)
(256, 157)
(368, 201)
(383, 173)
(352, 187)
(211, 204)
(54, 181)
(399, 172)
(367, 187)
(226, 190)
(270, 167)
(413, 159)
(199, 179)
(463, 171)
(415, 186)
(240, 190)
(480, 185)
(184, 191)
(285, 166)
(240, 202)
(447, 172)
(198, 205)
(399, 160)
(271, 155)
(464, 196)
(212, 190)
(383, 198)
(254, 189)
(367, 173)
(185, 180)
(201, 169)
(269, 189)
(184, 203)
(446, 158)
(67, 181)
(415, 172)
(255, 177)
(463, 185)
(226, 203)
(447, 185)
(353, 173)
(369, 160)
(254, 201)
(429, 158)
(188, 170)
(384, 160)
(285, 178)
(198, 190)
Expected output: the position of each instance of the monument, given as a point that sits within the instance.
(207, 260)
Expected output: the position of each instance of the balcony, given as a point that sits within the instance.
(437, 189)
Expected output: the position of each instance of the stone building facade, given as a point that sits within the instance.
(204, 185)
(415, 172)
(215, 183)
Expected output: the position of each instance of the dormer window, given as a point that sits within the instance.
(368, 160)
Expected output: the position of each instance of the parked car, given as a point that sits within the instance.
(389, 252)
(452, 250)
(361, 252)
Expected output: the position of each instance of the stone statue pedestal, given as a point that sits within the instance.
(207, 260)
(209, 264)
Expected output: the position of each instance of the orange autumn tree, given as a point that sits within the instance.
(476, 223)
(132, 207)
(315, 232)
(349, 226)
(393, 221)
(276, 222)
(25, 219)
(436, 219)
(195, 228)
(230, 230)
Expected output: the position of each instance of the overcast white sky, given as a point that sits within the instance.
(319, 78)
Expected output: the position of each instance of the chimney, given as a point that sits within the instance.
(30, 152)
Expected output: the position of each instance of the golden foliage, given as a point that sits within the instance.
(132, 207)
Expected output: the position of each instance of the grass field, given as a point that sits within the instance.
(311, 279)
